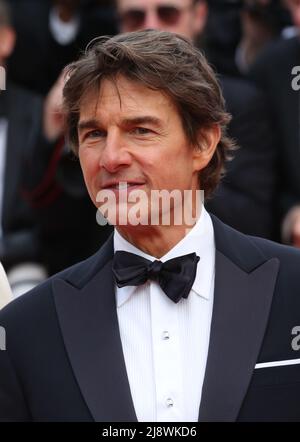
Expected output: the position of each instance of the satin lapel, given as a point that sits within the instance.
(242, 303)
(89, 324)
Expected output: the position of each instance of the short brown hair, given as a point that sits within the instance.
(161, 61)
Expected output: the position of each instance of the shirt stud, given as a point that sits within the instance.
(165, 335)
(169, 403)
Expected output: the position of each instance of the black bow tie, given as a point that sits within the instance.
(175, 277)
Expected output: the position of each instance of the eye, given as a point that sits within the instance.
(141, 131)
(95, 134)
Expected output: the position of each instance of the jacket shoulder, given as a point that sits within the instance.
(288, 256)
(250, 251)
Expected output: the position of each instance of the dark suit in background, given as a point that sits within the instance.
(67, 363)
(273, 72)
(38, 58)
(245, 199)
(222, 35)
(23, 111)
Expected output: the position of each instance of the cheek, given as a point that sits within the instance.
(170, 168)
(180, 171)
(89, 165)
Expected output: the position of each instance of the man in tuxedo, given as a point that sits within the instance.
(173, 319)
(245, 198)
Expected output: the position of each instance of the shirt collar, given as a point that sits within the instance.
(200, 239)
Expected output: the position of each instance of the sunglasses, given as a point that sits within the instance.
(135, 18)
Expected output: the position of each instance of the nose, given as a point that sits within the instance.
(151, 20)
(115, 154)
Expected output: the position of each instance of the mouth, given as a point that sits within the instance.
(122, 185)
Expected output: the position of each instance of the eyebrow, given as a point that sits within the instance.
(147, 119)
(87, 124)
(154, 121)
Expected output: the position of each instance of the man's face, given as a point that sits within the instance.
(183, 17)
(294, 8)
(132, 134)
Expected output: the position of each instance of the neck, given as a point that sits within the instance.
(155, 240)
(65, 13)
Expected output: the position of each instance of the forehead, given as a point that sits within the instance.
(124, 97)
(138, 4)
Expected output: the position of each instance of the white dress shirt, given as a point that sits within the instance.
(165, 345)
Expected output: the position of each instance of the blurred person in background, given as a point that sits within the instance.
(275, 71)
(51, 34)
(222, 35)
(20, 123)
(293, 8)
(52, 182)
(38, 180)
(262, 22)
(245, 198)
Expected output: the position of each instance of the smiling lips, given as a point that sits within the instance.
(121, 185)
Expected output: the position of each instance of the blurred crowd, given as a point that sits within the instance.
(47, 220)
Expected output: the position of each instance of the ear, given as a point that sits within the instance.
(208, 141)
(200, 17)
(7, 42)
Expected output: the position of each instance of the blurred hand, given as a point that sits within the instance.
(54, 118)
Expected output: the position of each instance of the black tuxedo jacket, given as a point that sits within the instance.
(64, 359)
